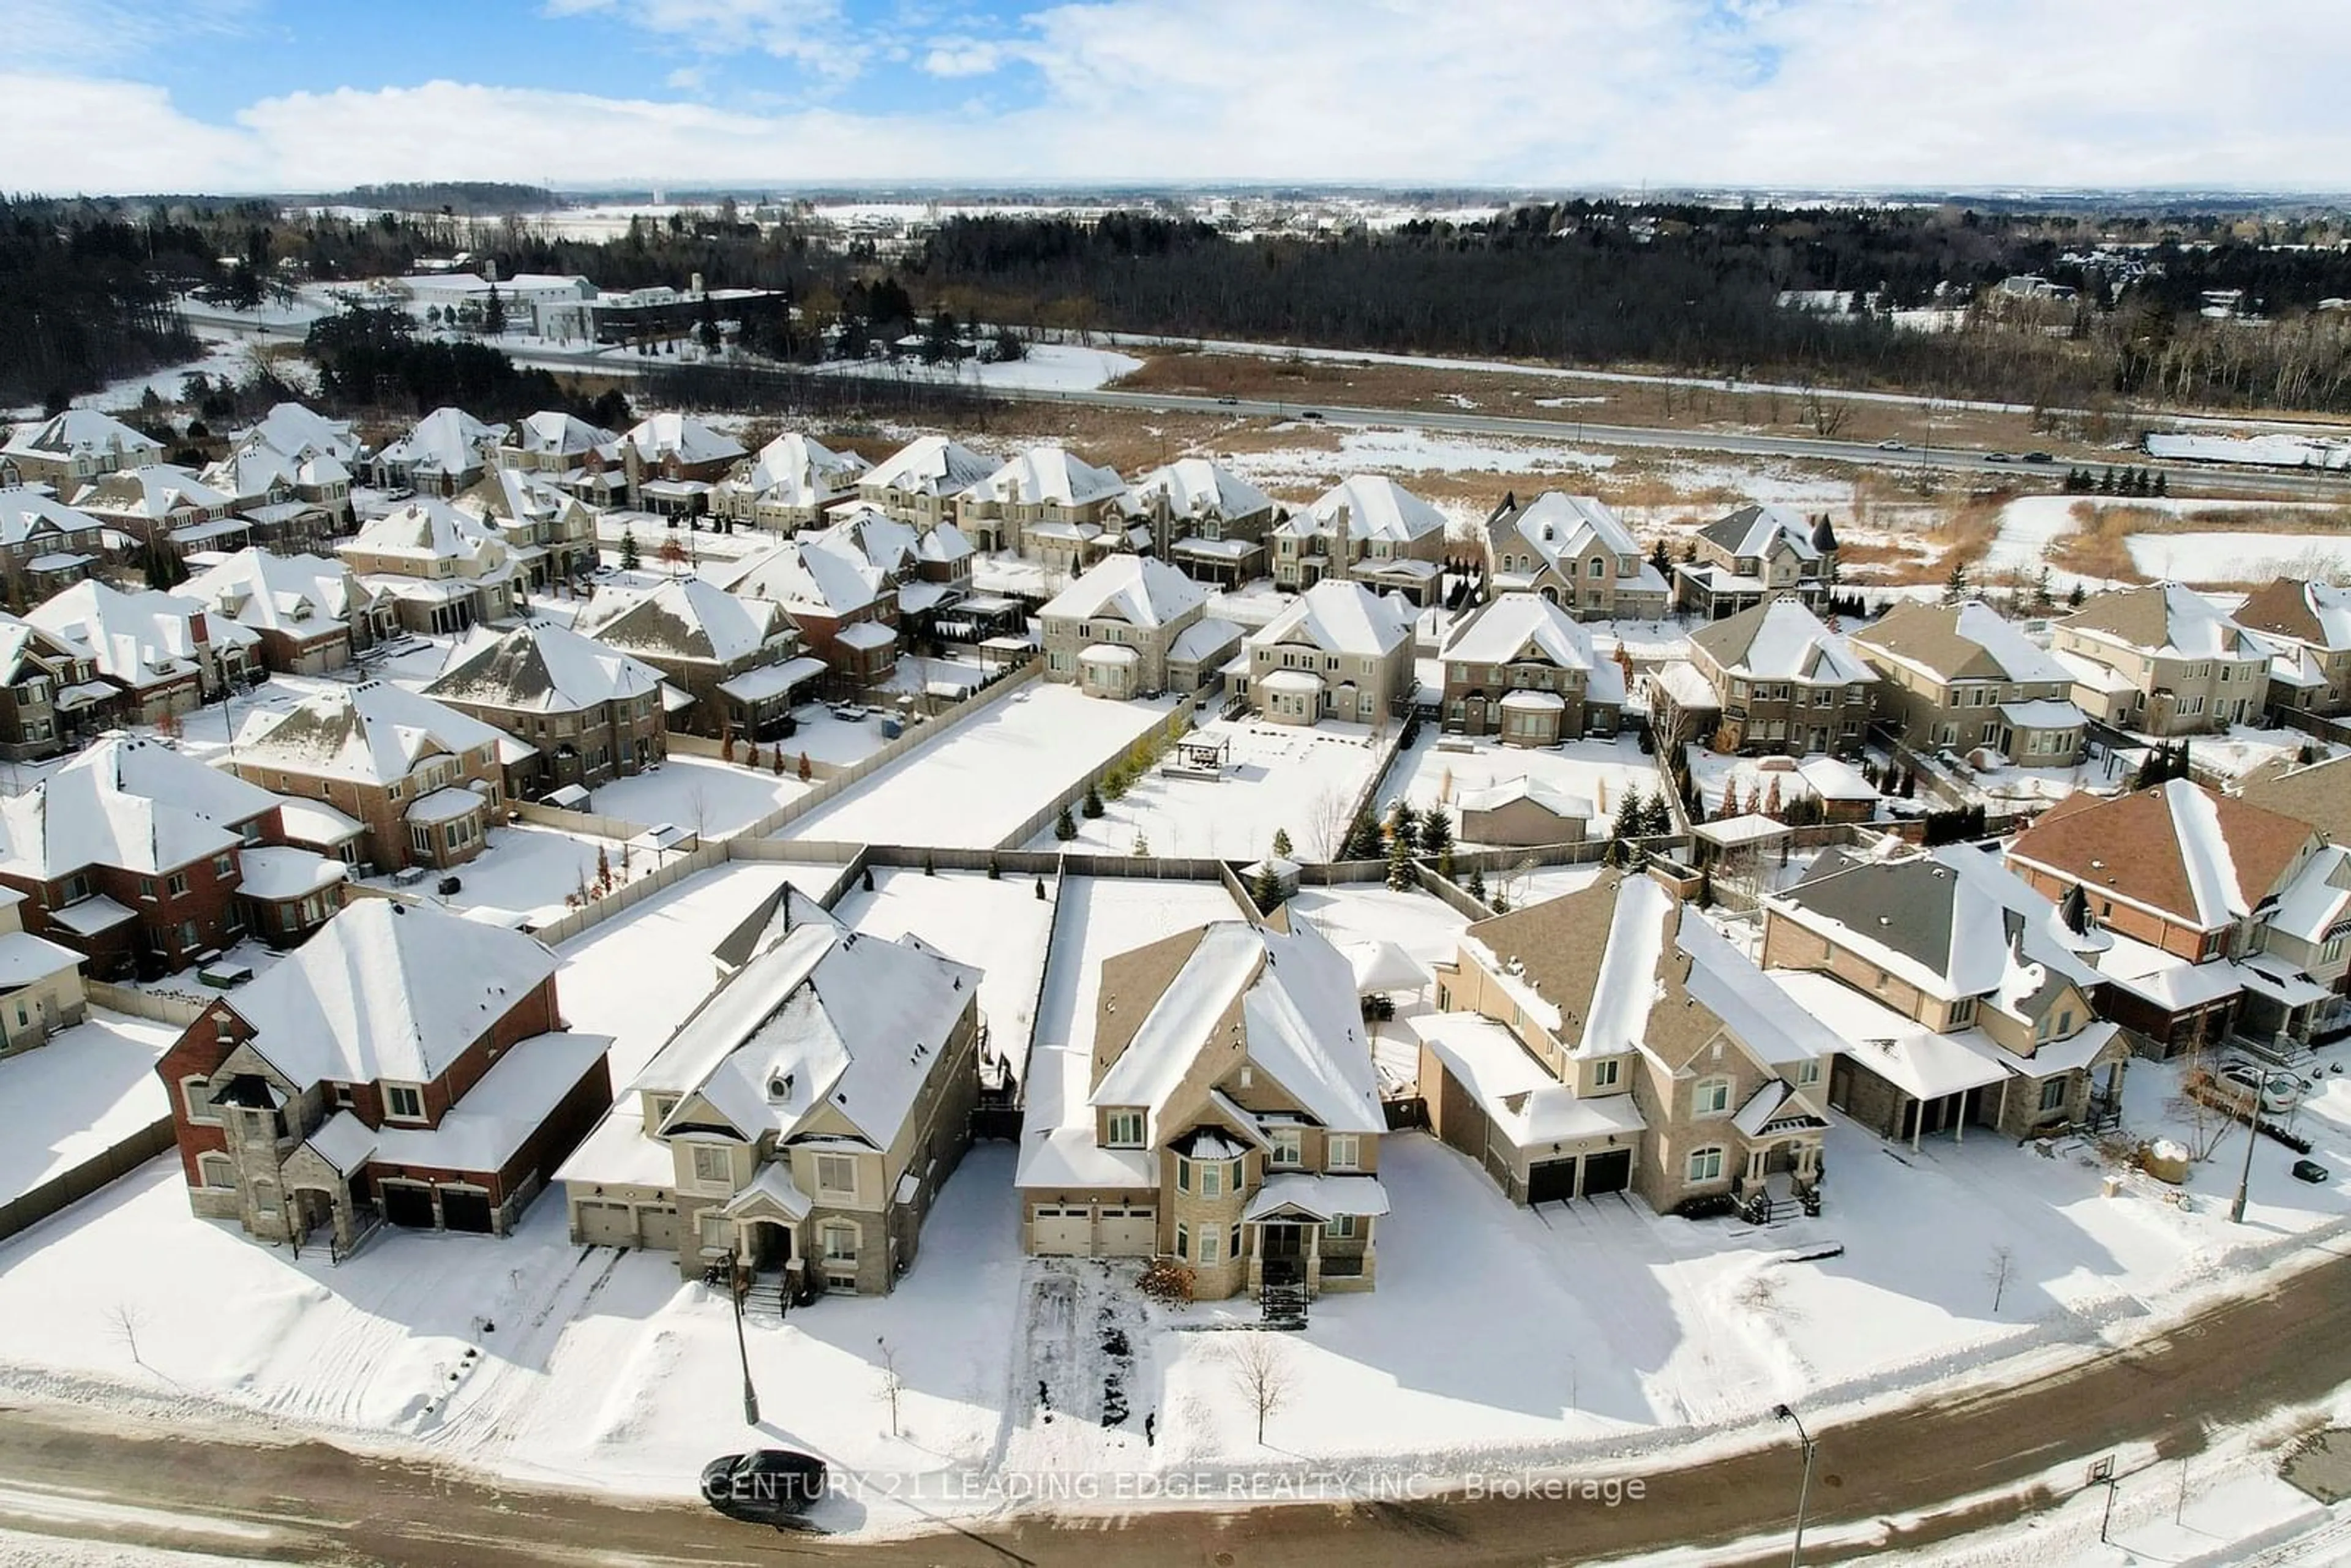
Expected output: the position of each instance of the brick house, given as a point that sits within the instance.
(442, 455)
(444, 571)
(2162, 660)
(68, 449)
(1783, 682)
(1207, 520)
(308, 613)
(1113, 631)
(1048, 505)
(738, 658)
(1519, 667)
(41, 982)
(1364, 529)
(550, 535)
(1754, 555)
(920, 482)
(405, 1066)
(1575, 552)
(591, 713)
(1958, 677)
(161, 653)
(50, 697)
(45, 545)
(155, 502)
(1339, 651)
(845, 607)
(789, 485)
(2310, 625)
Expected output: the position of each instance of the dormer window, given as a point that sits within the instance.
(1125, 1130)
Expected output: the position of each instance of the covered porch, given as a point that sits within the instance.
(1313, 1232)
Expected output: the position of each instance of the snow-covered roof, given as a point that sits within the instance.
(2047, 713)
(502, 1112)
(1366, 506)
(2315, 613)
(660, 435)
(822, 574)
(1323, 1197)
(766, 681)
(1962, 642)
(79, 430)
(26, 958)
(1207, 638)
(27, 514)
(540, 668)
(302, 595)
(1134, 588)
(1780, 641)
(316, 823)
(1756, 531)
(373, 733)
(1338, 616)
(866, 634)
(388, 990)
(1046, 476)
(2176, 848)
(153, 491)
(1512, 627)
(933, 465)
(2318, 898)
(1525, 1103)
(291, 428)
(128, 802)
(21, 641)
(274, 873)
(1559, 527)
(685, 618)
(1542, 793)
(427, 528)
(138, 640)
(2168, 620)
(446, 441)
(1197, 488)
(1913, 1058)
(795, 470)
(551, 433)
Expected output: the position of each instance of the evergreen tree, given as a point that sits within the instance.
(1064, 828)
(1400, 867)
(1475, 886)
(1142, 845)
(1281, 843)
(1955, 587)
(1364, 840)
(494, 313)
(2074, 596)
(1266, 891)
(1658, 820)
(631, 558)
(2162, 486)
(1436, 832)
(1404, 823)
(1093, 807)
(1631, 812)
(2106, 482)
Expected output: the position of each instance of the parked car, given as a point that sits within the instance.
(2278, 1090)
(766, 1486)
(1893, 444)
(2312, 1171)
(1311, 414)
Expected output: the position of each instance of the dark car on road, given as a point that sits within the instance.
(2039, 458)
(766, 1486)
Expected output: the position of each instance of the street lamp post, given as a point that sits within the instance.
(1804, 1488)
(742, 1347)
(2245, 1176)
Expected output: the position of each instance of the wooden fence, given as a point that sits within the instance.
(156, 1006)
(70, 1186)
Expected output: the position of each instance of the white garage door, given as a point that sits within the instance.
(658, 1227)
(1129, 1232)
(1061, 1232)
(607, 1224)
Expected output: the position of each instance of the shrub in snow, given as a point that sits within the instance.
(1166, 1280)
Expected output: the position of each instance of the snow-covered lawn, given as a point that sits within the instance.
(977, 783)
(1599, 771)
(1277, 777)
(1712, 772)
(721, 798)
(827, 737)
(1382, 450)
(1541, 885)
(2241, 558)
(89, 1087)
(532, 870)
(999, 925)
(1426, 928)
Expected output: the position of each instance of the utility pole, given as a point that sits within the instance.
(742, 1348)
(2253, 1136)
(1804, 1488)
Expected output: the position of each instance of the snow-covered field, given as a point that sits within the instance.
(2029, 525)
(90, 1087)
(1380, 450)
(720, 798)
(1046, 367)
(977, 783)
(1279, 778)
(2240, 557)
(1599, 771)
(533, 871)
(999, 925)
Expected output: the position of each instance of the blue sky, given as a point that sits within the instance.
(309, 94)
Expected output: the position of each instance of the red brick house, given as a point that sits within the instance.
(845, 607)
(405, 1067)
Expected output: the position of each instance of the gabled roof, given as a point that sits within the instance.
(291, 428)
(2317, 613)
(1512, 627)
(80, 430)
(551, 433)
(797, 471)
(1368, 506)
(1549, 796)
(26, 513)
(814, 574)
(1134, 588)
(427, 527)
(21, 641)
(300, 594)
(1780, 641)
(658, 435)
(1756, 531)
(540, 668)
(1196, 487)
(2318, 794)
(1285, 999)
(446, 441)
(373, 732)
(933, 465)
(2165, 618)
(1557, 526)
(1338, 616)
(2175, 847)
(1047, 474)
(136, 639)
(128, 802)
(153, 490)
(823, 1020)
(1961, 641)
(684, 618)
(388, 990)
(517, 496)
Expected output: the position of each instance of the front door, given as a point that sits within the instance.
(1283, 1248)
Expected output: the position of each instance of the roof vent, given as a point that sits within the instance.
(780, 1086)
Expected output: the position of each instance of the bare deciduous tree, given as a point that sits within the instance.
(2001, 1270)
(1262, 1371)
(1327, 822)
(893, 1384)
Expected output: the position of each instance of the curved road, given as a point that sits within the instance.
(75, 1473)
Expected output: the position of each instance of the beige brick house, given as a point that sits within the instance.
(1340, 651)
(1050, 506)
(1575, 552)
(1754, 555)
(1206, 519)
(738, 658)
(1112, 631)
(2162, 660)
(2309, 624)
(589, 714)
(71, 448)
(1783, 682)
(1365, 529)
(444, 571)
(1960, 677)
(1519, 667)
(789, 485)
(921, 482)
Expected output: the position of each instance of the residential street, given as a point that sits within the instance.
(80, 1475)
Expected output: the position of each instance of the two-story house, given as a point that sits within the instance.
(444, 571)
(589, 713)
(41, 988)
(920, 482)
(1612, 1039)
(1963, 997)
(581, 459)
(161, 653)
(739, 659)
(1958, 677)
(1365, 529)
(679, 449)
(161, 503)
(789, 486)
(444, 453)
(1224, 1113)
(1338, 651)
(307, 614)
(1113, 631)
(51, 699)
(551, 534)
(1575, 552)
(1048, 505)
(67, 450)
(1756, 555)
(2162, 660)
(1207, 520)
(2309, 625)
(45, 545)
(1783, 682)
(801, 1121)
(845, 607)
(928, 570)
(424, 782)
(404, 1067)
(1519, 666)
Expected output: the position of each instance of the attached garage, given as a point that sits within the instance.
(1055, 1231)
(1608, 1170)
(406, 1203)
(1127, 1233)
(607, 1224)
(657, 1227)
(466, 1208)
(1550, 1181)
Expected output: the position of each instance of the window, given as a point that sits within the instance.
(1183, 1242)
(712, 1229)
(177, 884)
(1212, 1178)
(711, 1164)
(196, 1097)
(404, 1103)
(2064, 1022)
(1339, 1228)
(147, 887)
(840, 1238)
(837, 1174)
(1182, 1173)
(1963, 1012)
(1126, 1129)
(1343, 1151)
(1289, 1146)
(1809, 1073)
(1233, 1243)
(217, 1171)
(2053, 1095)
(223, 865)
(1705, 1165)
(1209, 1242)
(1711, 1097)
(1605, 1074)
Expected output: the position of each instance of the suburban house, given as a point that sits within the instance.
(444, 452)
(292, 500)
(442, 569)
(1227, 1117)
(45, 545)
(1962, 996)
(67, 449)
(2312, 622)
(1113, 629)
(551, 534)
(2318, 793)
(1368, 529)
(1523, 810)
(1956, 677)
(845, 607)
(1337, 651)
(1206, 519)
(1575, 552)
(307, 614)
(920, 482)
(41, 982)
(929, 568)
(591, 713)
(1049, 507)
(801, 1121)
(1755, 555)
(2192, 889)
(1519, 666)
(562, 448)
(291, 428)
(405, 1067)
(789, 486)
(737, 658)
(1783, 682)
(160, 503)
(1612, 1039)
(2162, 660)
(51, 699)
(424, 782)
(164, 652)
(679, 447)
(133, 856)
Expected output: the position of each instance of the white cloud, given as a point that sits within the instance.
(1524, 93)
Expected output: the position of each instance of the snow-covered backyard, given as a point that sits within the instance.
(1442, 767)
(2030, 525)
(703, 793)
(973, 785)
(998, 925)
(535, 872)
(90, 1087)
